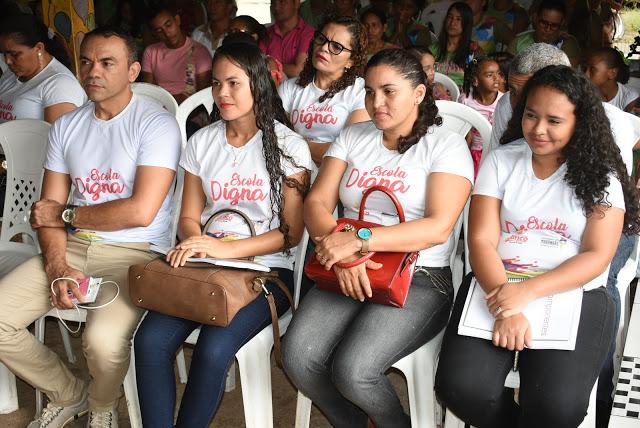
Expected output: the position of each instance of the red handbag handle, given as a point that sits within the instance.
(387, 192)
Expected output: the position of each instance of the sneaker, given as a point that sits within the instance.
(108, 419)
(56, 417)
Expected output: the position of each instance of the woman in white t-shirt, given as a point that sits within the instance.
(37, 85)
(249, 160)
(329, 93)
(607, 70)
(548, 208)
(338, 347)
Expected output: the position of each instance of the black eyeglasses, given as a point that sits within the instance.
(335, 48)
(553, 26)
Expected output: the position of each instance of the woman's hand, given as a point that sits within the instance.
(354, 281)
(509, 299)
(513, 333)
(336, 247)
(205, 246)
(177, 258)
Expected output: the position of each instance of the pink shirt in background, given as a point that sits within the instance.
(486, 111)
(286, 48)
(169, 66)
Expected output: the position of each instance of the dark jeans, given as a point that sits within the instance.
(337, 350)
(160, 336)
(554, 385)
(605, 381)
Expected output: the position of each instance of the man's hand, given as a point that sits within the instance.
(46, 213)
(59, 297)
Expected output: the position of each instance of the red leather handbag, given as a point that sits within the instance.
(389, 284)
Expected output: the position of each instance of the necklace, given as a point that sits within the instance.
(238, 154)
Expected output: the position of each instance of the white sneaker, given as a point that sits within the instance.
(108, 419)
(56, 417)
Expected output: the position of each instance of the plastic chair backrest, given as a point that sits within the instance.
(157, 93)
(24, 143)
(298, 266)
(202, 97)
(449, 85)
(459, 118)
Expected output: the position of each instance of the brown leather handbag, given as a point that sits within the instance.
(389, 284)
(201, 292)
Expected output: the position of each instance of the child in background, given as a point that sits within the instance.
(607, 70)
(428, 62)
(481, 93)
(504, 62)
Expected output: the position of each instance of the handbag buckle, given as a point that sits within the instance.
(260, 282)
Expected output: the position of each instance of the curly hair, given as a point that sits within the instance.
(409, 68)
(472, 71)
(267, 107)
(591, 154)
(358, 57)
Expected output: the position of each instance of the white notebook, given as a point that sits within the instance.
(554, 319)
(232, 263)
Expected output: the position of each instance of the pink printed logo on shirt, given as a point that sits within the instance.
(238, 189)
(379, 176)
(313, 114)
(5, 111)
(535, 223)
(98, 183)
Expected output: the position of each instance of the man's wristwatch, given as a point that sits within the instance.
(364, 234)
(69, 215)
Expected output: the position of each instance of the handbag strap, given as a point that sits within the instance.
(245, 217)
(273, 277)
(386, 191)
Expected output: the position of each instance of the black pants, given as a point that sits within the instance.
(554, 385)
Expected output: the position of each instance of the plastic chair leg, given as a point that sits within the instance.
(303, 411)
(230, 383)
(182, 366)
(8, 391)
(67, 343)
(131, 394)
(39, 334)
(255, 378)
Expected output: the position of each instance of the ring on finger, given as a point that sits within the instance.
(497, 311)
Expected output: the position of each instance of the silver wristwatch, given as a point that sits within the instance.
(69, 215)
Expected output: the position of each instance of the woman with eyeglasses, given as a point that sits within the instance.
(329, 93)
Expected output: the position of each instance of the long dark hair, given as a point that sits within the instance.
(408, 66)
(461, 54)
(591, 154)
(26, 29)
(267, 107)
(358, 57)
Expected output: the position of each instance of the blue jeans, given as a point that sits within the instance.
(554, 385)
(160, 336)
(337, 350)
(605, 381)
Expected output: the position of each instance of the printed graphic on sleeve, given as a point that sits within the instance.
(6, 111)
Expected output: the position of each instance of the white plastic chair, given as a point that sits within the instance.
(449, 85)
(202, 97)
(24, 144)
(157, 93)
(434, 14)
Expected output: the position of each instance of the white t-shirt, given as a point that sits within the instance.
(101, 157)
(237, 178)
(370, 163)
(541, 221)
(624, 96)
(621, 128)
(54, 84)
(321, 122)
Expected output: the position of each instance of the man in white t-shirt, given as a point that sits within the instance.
(116, 157)
(523, 66)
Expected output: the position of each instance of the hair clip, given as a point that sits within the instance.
(50, 33)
